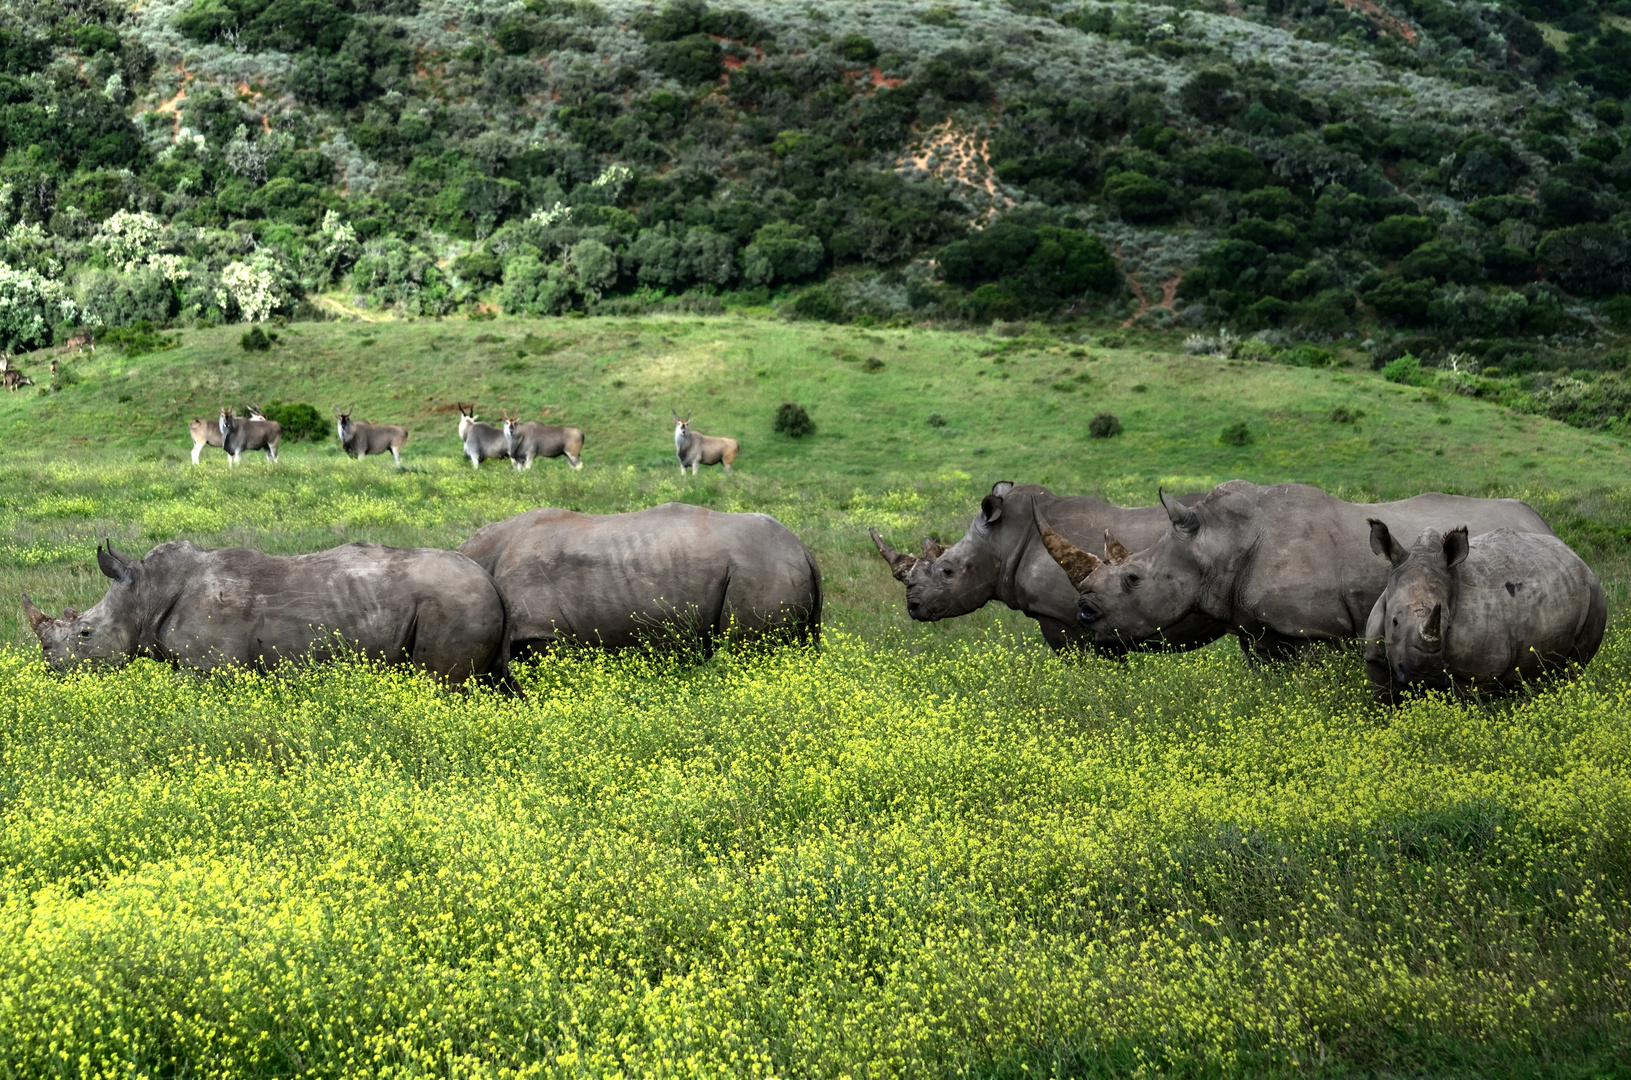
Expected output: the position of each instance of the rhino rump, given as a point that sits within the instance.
(620, 580)
(427, 607)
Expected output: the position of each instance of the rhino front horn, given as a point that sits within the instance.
(1078, 564)
(36, 618)
(900, 563)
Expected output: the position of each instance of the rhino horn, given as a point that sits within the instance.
(1435, 624)
(36, 618)
(1455, 546)
(1184, 519)
(1078, 564)
(900, 563)
(1114, 550)
(932, 548)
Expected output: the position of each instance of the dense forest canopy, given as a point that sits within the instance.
(1440, 177)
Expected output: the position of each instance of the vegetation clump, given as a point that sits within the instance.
(793, 420)
(1104, 426)
(301, 422)
(257, 340)
(1238, 433)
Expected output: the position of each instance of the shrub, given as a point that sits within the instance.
(871, 364)
(1401, 233)
(1591, 260)
(1142, 199)
(257, 340)
(936, 420)
(1342, 414)
(139, 339)
(793, 420)
(301, 422)
(818, 303)
(1406, 369)
(1104, 426)
(1236, 434)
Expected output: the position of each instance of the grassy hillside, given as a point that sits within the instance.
(109, 455)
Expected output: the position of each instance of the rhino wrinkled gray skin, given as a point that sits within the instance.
(1485, 614)
(1281, 566)
(1002, 557)
(199, 608)
(672, 572)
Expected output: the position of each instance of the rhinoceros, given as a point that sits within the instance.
(204, 609)
(1281, 565)
(1001, 557)
(616, 580)
(1485, 613)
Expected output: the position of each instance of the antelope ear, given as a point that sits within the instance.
(1184, 519)
(932, 548)
(1078, 564)
(900, 563)
(1455, 547)
(1382, 542)
(1114, 551)
(991, 509)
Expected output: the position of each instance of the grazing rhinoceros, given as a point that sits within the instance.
(1001, 557)
(1281, 565)
(616, 580)
(1488, 613)
(197, 608)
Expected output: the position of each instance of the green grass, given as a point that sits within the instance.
(925, 850)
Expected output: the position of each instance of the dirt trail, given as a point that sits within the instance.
(958, 155)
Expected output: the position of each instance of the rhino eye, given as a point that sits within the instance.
(85, 632)
(1130, 582)
(946, 570)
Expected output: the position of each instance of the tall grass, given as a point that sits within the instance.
(973, 859)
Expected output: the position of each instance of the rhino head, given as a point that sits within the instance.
(103, 635)
(1132, 596)
(942, 582)
(1419, 601)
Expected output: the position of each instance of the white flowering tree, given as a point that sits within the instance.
(30, 305)
(253, 287)
(129, 239)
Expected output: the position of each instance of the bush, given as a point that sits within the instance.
(1406, 369)
(257, 340)
(140, 339)
(818, 303)
(793, 421)
(1236, 434)
(1342, 414)
(301, 422)
(1142, 199)
(1104, 426)
(1401, 233)
(936, 420)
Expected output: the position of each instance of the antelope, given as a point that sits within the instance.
(693, 448)
(359, 438)
(248, 434)
(534, 440)
(205, 433)
(481, 441)
(13, 379)
(83, 339)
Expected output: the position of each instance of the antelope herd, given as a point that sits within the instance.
(517, 441)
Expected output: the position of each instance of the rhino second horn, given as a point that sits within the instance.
(900, 563)
(1078, 564)
(932, 548)
(1114, 550)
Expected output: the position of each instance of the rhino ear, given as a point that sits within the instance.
(1382, 542)
(1002, 488)
(1182, 517)
(991, 509)
(114, 564)
(1077, 564)
(1114, 550)
(1455, 547)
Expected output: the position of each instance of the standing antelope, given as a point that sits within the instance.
(14, 379)
(358, 438)
(694, 448)
(240, 435)
(534, 440)
(208, 433)
(481, 441)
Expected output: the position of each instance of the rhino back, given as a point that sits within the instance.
(611, 578)
(1521, 599)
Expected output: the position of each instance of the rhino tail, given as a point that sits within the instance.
(814, 624)
(498, 671)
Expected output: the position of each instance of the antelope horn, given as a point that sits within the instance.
(900, 563)
(1078, 564)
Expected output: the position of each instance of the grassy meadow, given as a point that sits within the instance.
(924, 850)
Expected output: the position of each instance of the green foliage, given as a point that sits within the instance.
(139, 339)
(1238, 433)
(793, 420)
(301, 422)
(257, 340)
(1142, 199)
(1399, 234)
(1406, 369)
(820, 303)
(1590, 259)
(1104, 426)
